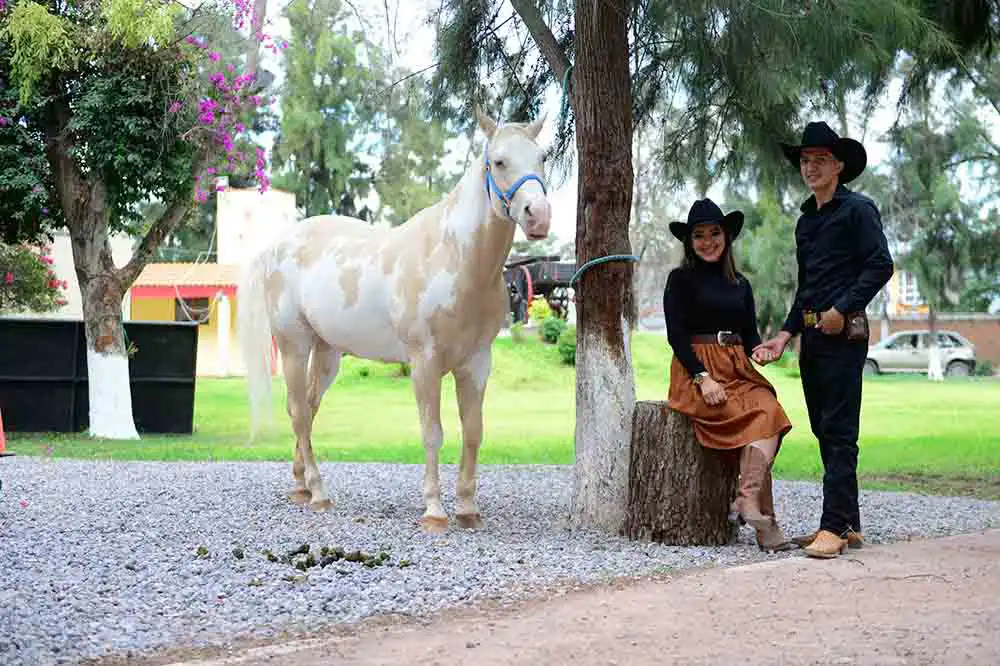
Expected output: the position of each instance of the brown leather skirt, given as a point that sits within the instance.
(751, 411)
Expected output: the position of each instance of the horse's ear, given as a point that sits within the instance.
(488, 125)
(535, 126)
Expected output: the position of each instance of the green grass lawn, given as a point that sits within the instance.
(937, 437)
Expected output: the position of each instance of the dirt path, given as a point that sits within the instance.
(923, 602)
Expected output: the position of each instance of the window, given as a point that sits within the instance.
(948, 341)
(909, 291)
(192, 309)
(903, 343)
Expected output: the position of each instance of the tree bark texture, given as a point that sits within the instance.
(679, 492)
(605, 389)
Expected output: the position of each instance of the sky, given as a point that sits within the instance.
(406, 27)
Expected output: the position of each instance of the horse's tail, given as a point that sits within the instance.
(254, 331)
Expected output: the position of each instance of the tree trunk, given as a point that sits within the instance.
(679, 492)
(256, 27)
(934, 370)
(605, 390)
(109, 390)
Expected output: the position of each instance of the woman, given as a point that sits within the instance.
(712, 328)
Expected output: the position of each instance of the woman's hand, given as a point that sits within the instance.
(712, 392)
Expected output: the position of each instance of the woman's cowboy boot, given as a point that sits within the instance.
(770, 537)
(753, 470)
(826, 545)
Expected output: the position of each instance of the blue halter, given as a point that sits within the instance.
(506, 197)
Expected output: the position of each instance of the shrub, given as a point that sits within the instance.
(552, 328)
(984, 369)
(539, 310)
(566, 345)
(517, 332)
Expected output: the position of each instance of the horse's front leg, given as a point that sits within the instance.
(427, 388)
(470, 388)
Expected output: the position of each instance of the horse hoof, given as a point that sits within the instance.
(469, 521)
(300, 497)
(321, 505)
(434, 524)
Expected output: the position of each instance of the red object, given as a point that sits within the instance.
(187, 291)
(3, 439)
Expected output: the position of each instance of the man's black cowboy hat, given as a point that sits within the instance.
(705, 211)
(848, 151)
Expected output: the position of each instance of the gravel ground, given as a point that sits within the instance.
(108, 558)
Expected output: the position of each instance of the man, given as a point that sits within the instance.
(843, 262)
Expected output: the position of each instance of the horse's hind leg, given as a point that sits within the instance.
(323, 368)
(295, 361)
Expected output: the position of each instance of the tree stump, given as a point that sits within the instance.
(679, 492)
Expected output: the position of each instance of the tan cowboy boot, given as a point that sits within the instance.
(854, 539)
(753, 470)
(826, 545)
(770, 537)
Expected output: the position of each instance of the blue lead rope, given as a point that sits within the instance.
(601, 260)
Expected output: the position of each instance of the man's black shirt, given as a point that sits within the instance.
(842, 255)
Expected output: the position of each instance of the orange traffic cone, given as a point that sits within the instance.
(3, 440)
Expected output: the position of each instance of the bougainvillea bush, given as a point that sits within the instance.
(27, 282)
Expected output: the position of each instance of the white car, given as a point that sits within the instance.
(909, 351)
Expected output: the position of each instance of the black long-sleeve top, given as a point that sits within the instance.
(698, 300)
(842, 254)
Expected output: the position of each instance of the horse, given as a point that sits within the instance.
(429, 292)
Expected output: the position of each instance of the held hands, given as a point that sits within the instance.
(771, 351)
(831, 322)
(763, 355)
(712, 392)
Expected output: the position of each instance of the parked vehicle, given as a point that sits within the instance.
(909, 351)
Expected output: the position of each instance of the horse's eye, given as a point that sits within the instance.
(499, 164)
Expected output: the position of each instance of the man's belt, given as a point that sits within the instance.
(810, 317)
(724, 338)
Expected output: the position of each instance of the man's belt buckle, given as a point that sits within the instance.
(810, 318)
(725, 338)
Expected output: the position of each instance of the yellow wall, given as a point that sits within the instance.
(209, 358)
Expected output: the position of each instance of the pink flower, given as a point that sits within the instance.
(9, 278)
(65, 284)
(47, 260)
(61, 301)
(24, 504)
(3, 121)
(207, 117)
(215, 56)
(175, 107)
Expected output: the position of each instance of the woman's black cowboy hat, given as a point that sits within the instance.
(819, 135)
(705, 211)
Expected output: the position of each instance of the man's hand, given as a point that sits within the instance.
(712, 392)
(770, 351)
(831, 322)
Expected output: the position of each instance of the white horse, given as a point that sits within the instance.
(429, 292)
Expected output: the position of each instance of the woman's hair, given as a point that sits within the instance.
(727, 261)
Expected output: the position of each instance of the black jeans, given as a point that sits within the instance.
(832, 369)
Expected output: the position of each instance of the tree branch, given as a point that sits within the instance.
(160, 229)
(543, 37)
